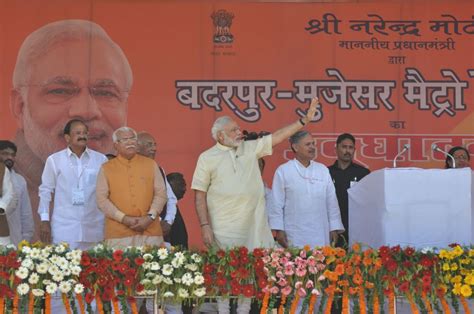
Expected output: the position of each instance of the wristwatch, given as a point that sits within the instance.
(152, 216)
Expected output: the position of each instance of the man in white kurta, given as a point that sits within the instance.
(6, 196)
(20, 217)
(305, 203)
(71, 174)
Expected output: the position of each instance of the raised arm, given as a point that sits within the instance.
(287, 131)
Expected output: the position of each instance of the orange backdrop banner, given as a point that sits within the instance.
(390, 73)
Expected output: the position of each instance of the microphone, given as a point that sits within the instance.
(435, 148)
(405, 148)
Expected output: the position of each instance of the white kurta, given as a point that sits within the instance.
(63, 173)
(20, 219)
(305, 204)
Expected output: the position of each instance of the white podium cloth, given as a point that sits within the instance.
(411, 206)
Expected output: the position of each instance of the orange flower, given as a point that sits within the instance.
(327, 251)
(368, 252)
(306, 247)
(349, 270)
(340, 252)
(353, 290)
(343, 283)
(356, 247)
(369, 285)
(339, 269)
(356, 259)
(367, 261)
(357, 279)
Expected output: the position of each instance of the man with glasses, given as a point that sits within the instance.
(69, 69)
(131, 193)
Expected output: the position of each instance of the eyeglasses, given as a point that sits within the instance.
(127, 139)
(105, 94)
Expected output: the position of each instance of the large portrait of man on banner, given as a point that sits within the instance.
(64, 70)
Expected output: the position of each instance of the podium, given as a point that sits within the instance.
(413, 207)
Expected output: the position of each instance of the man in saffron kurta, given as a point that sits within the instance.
(131, 193)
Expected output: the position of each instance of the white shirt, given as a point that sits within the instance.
(171, 203)
(305, 204)
(63, 174)
(20, 219)
(7, 193)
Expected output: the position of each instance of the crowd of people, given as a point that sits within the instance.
(83, 197)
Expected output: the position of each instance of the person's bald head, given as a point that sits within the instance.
(146, 145)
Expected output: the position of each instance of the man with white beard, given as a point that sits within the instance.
(229, 192)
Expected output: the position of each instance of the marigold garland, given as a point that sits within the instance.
(281, 308)
(133, 305)
(47, 304)
(15, 303)
(294, 304)
(31, 302)
(345, 302)
(444, 304)
(327, 309)
(264, 308)
(414, 308)
(465, 305)
(376, 303)
(312, 302)
(2, 305)
(362, 303)
(100, 306)
(80, 301)
(426, 302)
(391, 301)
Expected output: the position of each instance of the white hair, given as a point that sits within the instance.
(115, 137)
(219, 125)
(41, 40)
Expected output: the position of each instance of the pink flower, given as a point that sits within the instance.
(266, 259)
(279, 274)
(282, 282)
(284, 260)
(289, 270)
(298, 284)
(318, 255)
(315, 291)
(321, 278)
(300, 272)
(286, 290)
(309, 284)
(312, 270)
(302, 292)
(303, 253)
(274, 290)
(311, 261)
(320, 266)
(275, 256)
(274, 263)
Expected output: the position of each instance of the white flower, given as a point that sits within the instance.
(66, 272)
(200, 292)
(98, 247)
(51, 288)
(427, 250)
(192, 267)
(167, 281)
(34, 278)
(42, 268)
(26, 249)
(60, 248)
(23, 289)
(196, 258)
(162, 253)
(199, 279)
(35, 253)
(22, 272)
(147, 257)
(53, 270)
(38, 292)
(167, 270)
(187, 279)
(183, 293)
(79, 288)
(176, 262)
(54, 259)
(76, 254)
(145, 282)
(76, 270)
(154, 266)
(177, 280)
(62, 263)
(27, 263)
(65, 287)
(157, 280)
(58, 277)
(168, 294)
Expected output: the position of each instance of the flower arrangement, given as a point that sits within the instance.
(298, 277)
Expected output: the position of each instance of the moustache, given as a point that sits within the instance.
(82, 139)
